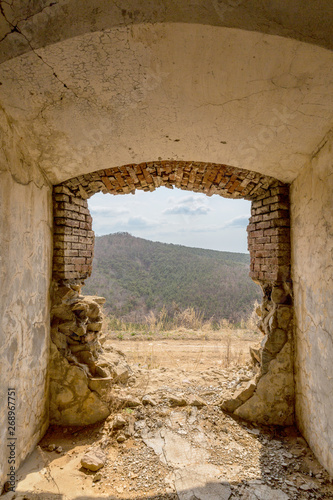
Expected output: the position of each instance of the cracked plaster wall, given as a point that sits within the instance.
(312, 263)
(25, 267)
(172, 92)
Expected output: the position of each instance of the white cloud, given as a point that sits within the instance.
(240, 221)
(188, 205)
(186, 218)
(138, 222)
(184, 210)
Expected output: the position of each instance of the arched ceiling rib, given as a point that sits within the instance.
(176, 91)
(25, 25)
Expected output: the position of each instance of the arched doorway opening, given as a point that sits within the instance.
(269, 397)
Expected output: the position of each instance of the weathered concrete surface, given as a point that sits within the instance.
(25, 269)
(193, 475)
(43, 23)
(312, 262)
(132, 94)
(71, 400)
(79, 385)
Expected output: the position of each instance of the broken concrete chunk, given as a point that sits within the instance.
(263, 492)
(94, 459)
(177, 400)
(121, 438)
(196, 401)
(130, 402)
(120, 373)
(118, 422)
(191, 484)
(230, 405)
(148, 400)
(95, 327)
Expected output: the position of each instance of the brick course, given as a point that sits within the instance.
(72, 235)
(270, 253)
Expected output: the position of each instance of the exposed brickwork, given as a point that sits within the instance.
(268, 229)
(269, 236)
(208, 178)
(73, 238)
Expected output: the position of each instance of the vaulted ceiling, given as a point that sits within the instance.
(99, 84)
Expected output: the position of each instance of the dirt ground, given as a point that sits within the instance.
(193, 354)
(168, 438)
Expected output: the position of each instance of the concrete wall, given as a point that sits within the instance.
(25, 268)
(312, 262)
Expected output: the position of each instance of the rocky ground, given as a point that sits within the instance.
(168, 438)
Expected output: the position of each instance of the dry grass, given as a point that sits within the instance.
(184, 324)
(231, 344)
(230, 350)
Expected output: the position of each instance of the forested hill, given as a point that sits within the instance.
(137, 276)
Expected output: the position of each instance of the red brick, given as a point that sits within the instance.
(86, 253)
(281, 205)
(59, 230)
(257, 204)
(71, 238)
(85, 225)
(61, 221)
(256, 218)
(84, 211)
(258, 246)
(262, 253)
(281, 239)
(61, 189)
(63, 205)
(263, 225)
(270, 200)
(79, 246)
(261, 210)
(80, 232)
(79, 201)
(277, 231)
(278, 214)
(281, 223)
(68, 267)
(251, 227)
(264, 240)
(78, 260)
(61, 197)
(281, 190)
(258, 234)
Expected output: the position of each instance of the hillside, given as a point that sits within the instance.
(137, 276)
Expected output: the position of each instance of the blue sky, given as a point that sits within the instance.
(174, 216)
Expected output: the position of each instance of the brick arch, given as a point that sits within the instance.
(269, 397)
(268, 231)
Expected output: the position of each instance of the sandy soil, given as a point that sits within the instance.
(188, 354)
(173, 448)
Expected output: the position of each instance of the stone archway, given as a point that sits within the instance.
(269, 397)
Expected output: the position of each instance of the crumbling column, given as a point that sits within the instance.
(79, 384)
(269, 397)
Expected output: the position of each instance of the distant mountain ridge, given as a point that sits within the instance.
(137, 276)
